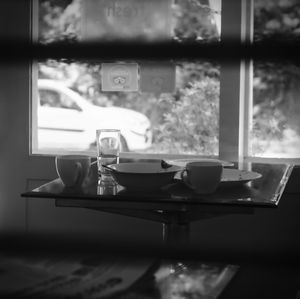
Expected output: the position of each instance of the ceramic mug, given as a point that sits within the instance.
(203, 176)
(72, 169)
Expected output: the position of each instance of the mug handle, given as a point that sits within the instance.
(185, 178)
(79, 173)
(182, 174)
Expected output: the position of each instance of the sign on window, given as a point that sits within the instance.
(157, 77)
(126, 19)
(119, 76)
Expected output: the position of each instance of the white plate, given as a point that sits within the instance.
(141, 168)
(183, 162)
(235, 177)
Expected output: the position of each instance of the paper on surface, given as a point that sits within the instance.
(100, 276)
(84, 277)
(157, 77)
(126, 19)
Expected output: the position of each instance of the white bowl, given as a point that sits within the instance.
(143, 175)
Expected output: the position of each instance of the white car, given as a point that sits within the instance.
(68, 121)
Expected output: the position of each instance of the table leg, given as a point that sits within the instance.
(176, 233)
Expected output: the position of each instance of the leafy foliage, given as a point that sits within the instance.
(277, 19)
(276, 83)
(191, 124)
(194, 20)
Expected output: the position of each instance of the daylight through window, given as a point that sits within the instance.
(160, 107)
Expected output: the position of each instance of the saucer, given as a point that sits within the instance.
(234, 177)
(183, 162)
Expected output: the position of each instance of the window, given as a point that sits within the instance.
(175, 113)
(231, 124)
(276, 106)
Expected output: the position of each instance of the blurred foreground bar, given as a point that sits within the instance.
(270, 49)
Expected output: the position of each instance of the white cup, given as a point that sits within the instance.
(72, 169)
(203, 176)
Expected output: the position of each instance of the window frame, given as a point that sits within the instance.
(236, 92)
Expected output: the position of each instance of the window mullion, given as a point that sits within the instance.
(246, 84)
(235, 85)
(33, 144)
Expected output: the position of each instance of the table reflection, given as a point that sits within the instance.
(108, 187)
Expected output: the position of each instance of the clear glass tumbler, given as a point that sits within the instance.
(108, 150)
(107, 188)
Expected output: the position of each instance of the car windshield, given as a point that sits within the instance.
(55, 94)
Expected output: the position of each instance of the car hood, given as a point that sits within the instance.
(127, 113)
(117, 117)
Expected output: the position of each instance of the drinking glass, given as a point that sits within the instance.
(107, 188)
(108, 150)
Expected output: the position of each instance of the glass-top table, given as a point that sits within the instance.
(174, 205)
(252, 226)
(265, 191)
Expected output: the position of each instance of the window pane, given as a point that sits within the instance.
(186, 19)
(276, 105)
(178, 114)
(185, 121)
(277, 19)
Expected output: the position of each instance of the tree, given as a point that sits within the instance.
(191, 124)
(276, 83)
